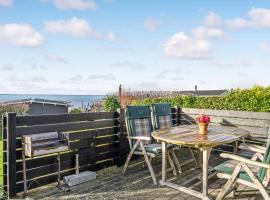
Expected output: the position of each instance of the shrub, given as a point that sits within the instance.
(19, 109)
(256, 99)
(75, 111)
(111, 104)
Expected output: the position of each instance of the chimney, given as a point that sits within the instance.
(196, 89)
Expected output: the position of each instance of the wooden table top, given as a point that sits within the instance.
(187, 135)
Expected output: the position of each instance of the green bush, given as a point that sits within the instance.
(256, 99)
(19, 109)
(111, 104)
(75, 111)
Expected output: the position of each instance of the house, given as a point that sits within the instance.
(197, 92)
(37, 106)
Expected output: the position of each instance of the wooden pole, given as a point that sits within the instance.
(123, 142)
(120, 95)
(82, 107)
(11, 154)
(178, 115)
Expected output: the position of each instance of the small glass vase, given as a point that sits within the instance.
(203, 128)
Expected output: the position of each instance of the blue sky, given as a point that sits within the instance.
(91, 46)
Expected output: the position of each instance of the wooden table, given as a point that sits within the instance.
(188, 136)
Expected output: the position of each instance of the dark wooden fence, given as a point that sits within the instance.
(96, 137)
(99, 139)
(257, 123)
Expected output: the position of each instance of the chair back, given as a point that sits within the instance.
(266, 159)
(161, 115)
(138, 122)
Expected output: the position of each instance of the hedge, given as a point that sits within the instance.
(111, 103)
(256, 99)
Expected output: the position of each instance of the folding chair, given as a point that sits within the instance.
(254, 151)
(139, 128)
(249, 172)
(162, 119)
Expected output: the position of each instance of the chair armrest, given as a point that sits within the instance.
(253, 147)
(245, 160)
(139, 138)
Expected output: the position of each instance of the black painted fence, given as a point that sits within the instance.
(99, 139)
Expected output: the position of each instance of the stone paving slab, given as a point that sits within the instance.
(137, 184)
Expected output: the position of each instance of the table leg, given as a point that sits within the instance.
(206, 155)
(24, 174)
(164, 161)
(235, 147)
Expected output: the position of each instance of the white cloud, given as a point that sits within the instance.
(75, 27)
(74, 79)
(181, 46)
(128, 65)
(5, 3)
(73, 4)
(212, 19)
(78, 28)
(151, 25)
(172, 74)
(242, 61)
(204, 33)
(50, 57)
(21, 35)
(268, 61)
(98, 35)
(265, 48)
(237, 23)
(260, 17)
(147, 85)
(111, 37)
(21, 78)
(216, 63)
(7, 67)
(101, 77)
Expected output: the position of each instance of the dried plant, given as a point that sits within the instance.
(19, 109)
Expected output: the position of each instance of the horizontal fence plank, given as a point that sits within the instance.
(50, 159)
(263, 123)
(53, 178)
(94, 135)
(66, 127)
(63, 118)
(78, 135)
(97, 141)
(112, 139)
(65, 165)
(254, 131)
(228, 113)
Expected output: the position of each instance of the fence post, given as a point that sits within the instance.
(11, 154)
(178, 115)
(123, 142)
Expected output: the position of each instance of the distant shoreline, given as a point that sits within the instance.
(74, 99)
(55, 94)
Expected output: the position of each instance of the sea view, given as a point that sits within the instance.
(76, 100)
